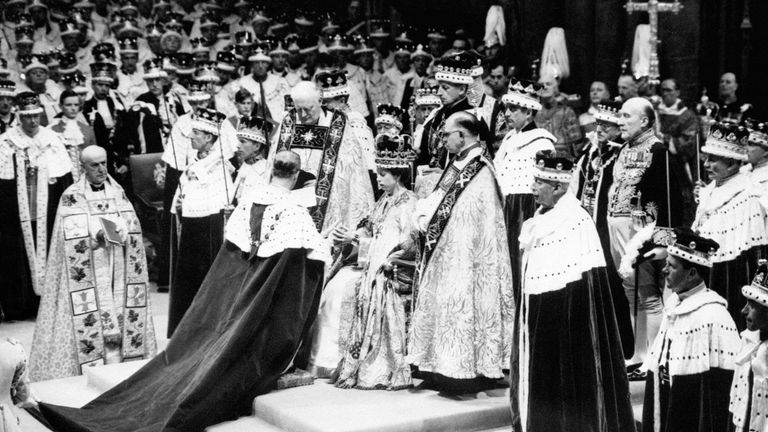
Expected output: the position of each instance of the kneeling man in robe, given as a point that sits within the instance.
(96, 290)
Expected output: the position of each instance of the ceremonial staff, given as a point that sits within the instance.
(228, 208)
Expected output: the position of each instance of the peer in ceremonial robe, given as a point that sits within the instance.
(515, 164)
(75, 134)
(34, 171)
(454, 78)
(730, 213)
(567, 370)
(757, 156)
(95, 307)
(249, 318)
(690, 365)
(253, 133)
(268, 90)
(8, 118)
(202, 203)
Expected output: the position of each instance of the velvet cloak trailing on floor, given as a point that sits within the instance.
(237, 338)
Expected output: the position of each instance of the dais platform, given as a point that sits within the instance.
(321, 407)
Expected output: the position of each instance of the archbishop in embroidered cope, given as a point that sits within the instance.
(464, 316)
(329, 150)
(95, 301)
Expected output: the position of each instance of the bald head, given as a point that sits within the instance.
(91, 153)
(466, 122)
(461, 131)
(94, 161)
(285, 169)
(636, 116)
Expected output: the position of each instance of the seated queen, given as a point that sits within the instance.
(360, 333)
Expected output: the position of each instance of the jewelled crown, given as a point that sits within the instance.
(292, 43)
(206, 72)
(254, 128)
(208, 20)
(427, 97)
(184, 62)
(404, 34)
(28, 103)
(608, 112)
(259, 55)
(549, 166)
(128, 45)
(197, 91)
(104, 52)
(333, 83)
(130, 28)
(524, 94)
(103, 72)
(379, 28)
(455, 69)
(278, 47)
(329, 24)
(403, 48)
(244, 38)
(420, 52)
(30, 62)
(389, 115)
(154, 30)
(436, 33)
(692, 247)
(758, 132)
(394, 152)
(69, 27)
(226, 61)
(7, 88)
(339, 43)
(758, 290)
(67, 62)
(208, 120)
(363, 46)
(474, 59)
(198, 45)
(727, 140)
(153, 68)
(304, 18)
(260, 15)
(75, 81)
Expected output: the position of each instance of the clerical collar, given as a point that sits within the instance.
(695, 290)
(96, 188)
(463, 154)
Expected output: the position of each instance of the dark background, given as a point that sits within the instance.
(704, 40)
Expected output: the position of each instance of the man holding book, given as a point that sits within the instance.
(97, 289)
